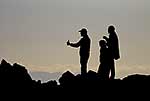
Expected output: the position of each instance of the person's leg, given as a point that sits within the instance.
(112, 70)
(83, 62)
(83, 69)
(99, 69)
(107, 72)
(104, 71)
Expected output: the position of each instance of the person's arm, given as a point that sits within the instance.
(106, 38)
(76, 45)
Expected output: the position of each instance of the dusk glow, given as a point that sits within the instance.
(34, 33)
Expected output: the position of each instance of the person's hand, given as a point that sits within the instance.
(68, 43)
(104, 37)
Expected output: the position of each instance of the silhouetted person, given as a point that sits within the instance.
(105, 60)
(113, 45)
(84, 45)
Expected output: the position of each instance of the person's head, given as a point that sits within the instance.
(102, 43)
(111, 29)
(83, 32)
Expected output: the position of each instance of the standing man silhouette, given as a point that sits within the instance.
(113, 45)
(84, 45)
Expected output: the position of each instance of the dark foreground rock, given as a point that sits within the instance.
(17, 77)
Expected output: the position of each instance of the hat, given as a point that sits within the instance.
(83, 30)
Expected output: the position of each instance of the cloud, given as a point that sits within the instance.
(124, 70)
(45, 76)
(54, 68)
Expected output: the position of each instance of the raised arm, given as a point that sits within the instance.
(106, 38)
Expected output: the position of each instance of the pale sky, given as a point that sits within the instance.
(34, 33)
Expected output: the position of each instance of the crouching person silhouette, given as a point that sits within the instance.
(84, 45)
(105, 60)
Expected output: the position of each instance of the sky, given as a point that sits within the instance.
(34, 33)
